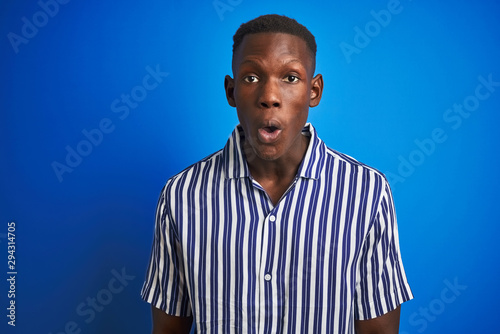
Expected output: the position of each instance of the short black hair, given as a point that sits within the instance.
(275, 24)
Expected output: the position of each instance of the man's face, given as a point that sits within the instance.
(272, 90)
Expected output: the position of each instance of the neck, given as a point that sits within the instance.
(275, 176)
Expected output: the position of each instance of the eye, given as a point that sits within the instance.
(251, 78)
(291, 78)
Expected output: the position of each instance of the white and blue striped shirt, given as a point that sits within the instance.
(325, 255)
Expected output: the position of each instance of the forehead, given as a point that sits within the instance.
(269, 47)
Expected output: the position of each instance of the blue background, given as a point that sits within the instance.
(76, 232)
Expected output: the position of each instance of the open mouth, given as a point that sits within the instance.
(269, 134)
(270, 129)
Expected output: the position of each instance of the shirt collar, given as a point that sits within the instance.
(235, 165)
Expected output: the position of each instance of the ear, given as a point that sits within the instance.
(316, 90)
(229, 87)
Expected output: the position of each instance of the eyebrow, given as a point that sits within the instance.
(286, 62)
(293, 60)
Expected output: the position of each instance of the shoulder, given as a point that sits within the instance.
(198, 171)
(361, 183)
(354, 165)
(358, 179)
(339, 164)
(213, 161)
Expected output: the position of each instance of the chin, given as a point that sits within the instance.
(261, 152)
(268, 156)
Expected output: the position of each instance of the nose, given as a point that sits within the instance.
(270, 95)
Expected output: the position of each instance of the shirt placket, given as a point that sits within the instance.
(267, 289)
(267, 274)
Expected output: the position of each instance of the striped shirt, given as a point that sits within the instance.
(325, 255)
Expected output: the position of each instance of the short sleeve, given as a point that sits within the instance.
(165, 284)
(381, 280)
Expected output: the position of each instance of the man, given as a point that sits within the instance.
(276, 233)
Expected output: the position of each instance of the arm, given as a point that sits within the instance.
(382, 283)
(164, 323)
(385, 324)
(165, 277)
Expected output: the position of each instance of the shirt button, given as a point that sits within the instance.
(267, 277)
(272, 218)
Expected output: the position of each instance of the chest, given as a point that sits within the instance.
(311, 230)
